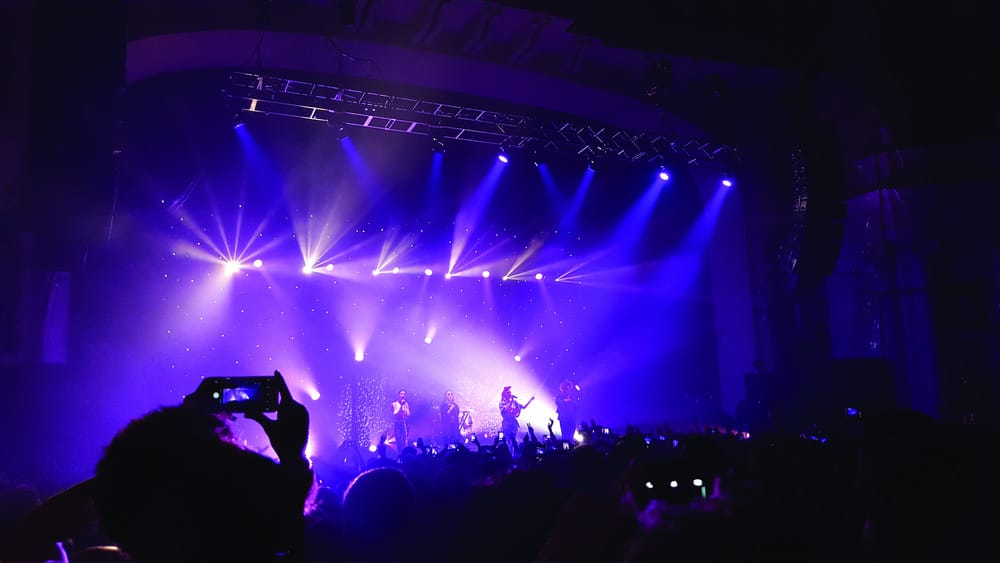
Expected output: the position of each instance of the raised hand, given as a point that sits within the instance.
(289, 433)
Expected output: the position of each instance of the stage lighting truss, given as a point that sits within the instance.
(363, 108)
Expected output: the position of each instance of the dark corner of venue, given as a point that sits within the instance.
(496, 280)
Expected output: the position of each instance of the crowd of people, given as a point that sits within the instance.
(174, 486)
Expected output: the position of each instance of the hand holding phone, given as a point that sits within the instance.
(254, 396)
(288, 433)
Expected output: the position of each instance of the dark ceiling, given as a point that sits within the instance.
(778, 33)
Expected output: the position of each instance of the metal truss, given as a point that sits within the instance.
(362, 108)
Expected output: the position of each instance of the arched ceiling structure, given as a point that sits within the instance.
(468, 50)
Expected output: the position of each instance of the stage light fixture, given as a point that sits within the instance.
(437, 145)
(428, 272)
(727, 181)
(338, 127)
(538, 276)
(258, 263)
(664, 175)
(502, 157)
(238, 121)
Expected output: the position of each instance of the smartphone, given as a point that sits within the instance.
(242, 394)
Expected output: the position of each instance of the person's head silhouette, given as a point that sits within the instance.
(172, 486)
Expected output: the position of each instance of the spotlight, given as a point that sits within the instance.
(329, 267)
(437, 145)
(537, 159)
(664, 175)
(395, 270)
(502, 157)
(697, 482)
(486, 273)
(538, 276)
(307, 269)
(592, 164)
(232, 267)
(238, 121)
(726, 181)
(258, 263)
(359, 356)
(517, 358)
(428, 272)
(375, 272)
(373, 448)
(447, 276)
(428, 340)
(338, 127)
(314, 394)
(673, 484)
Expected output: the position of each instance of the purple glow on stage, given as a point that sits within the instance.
(625, 316)
(551, 187)
(569, 220)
